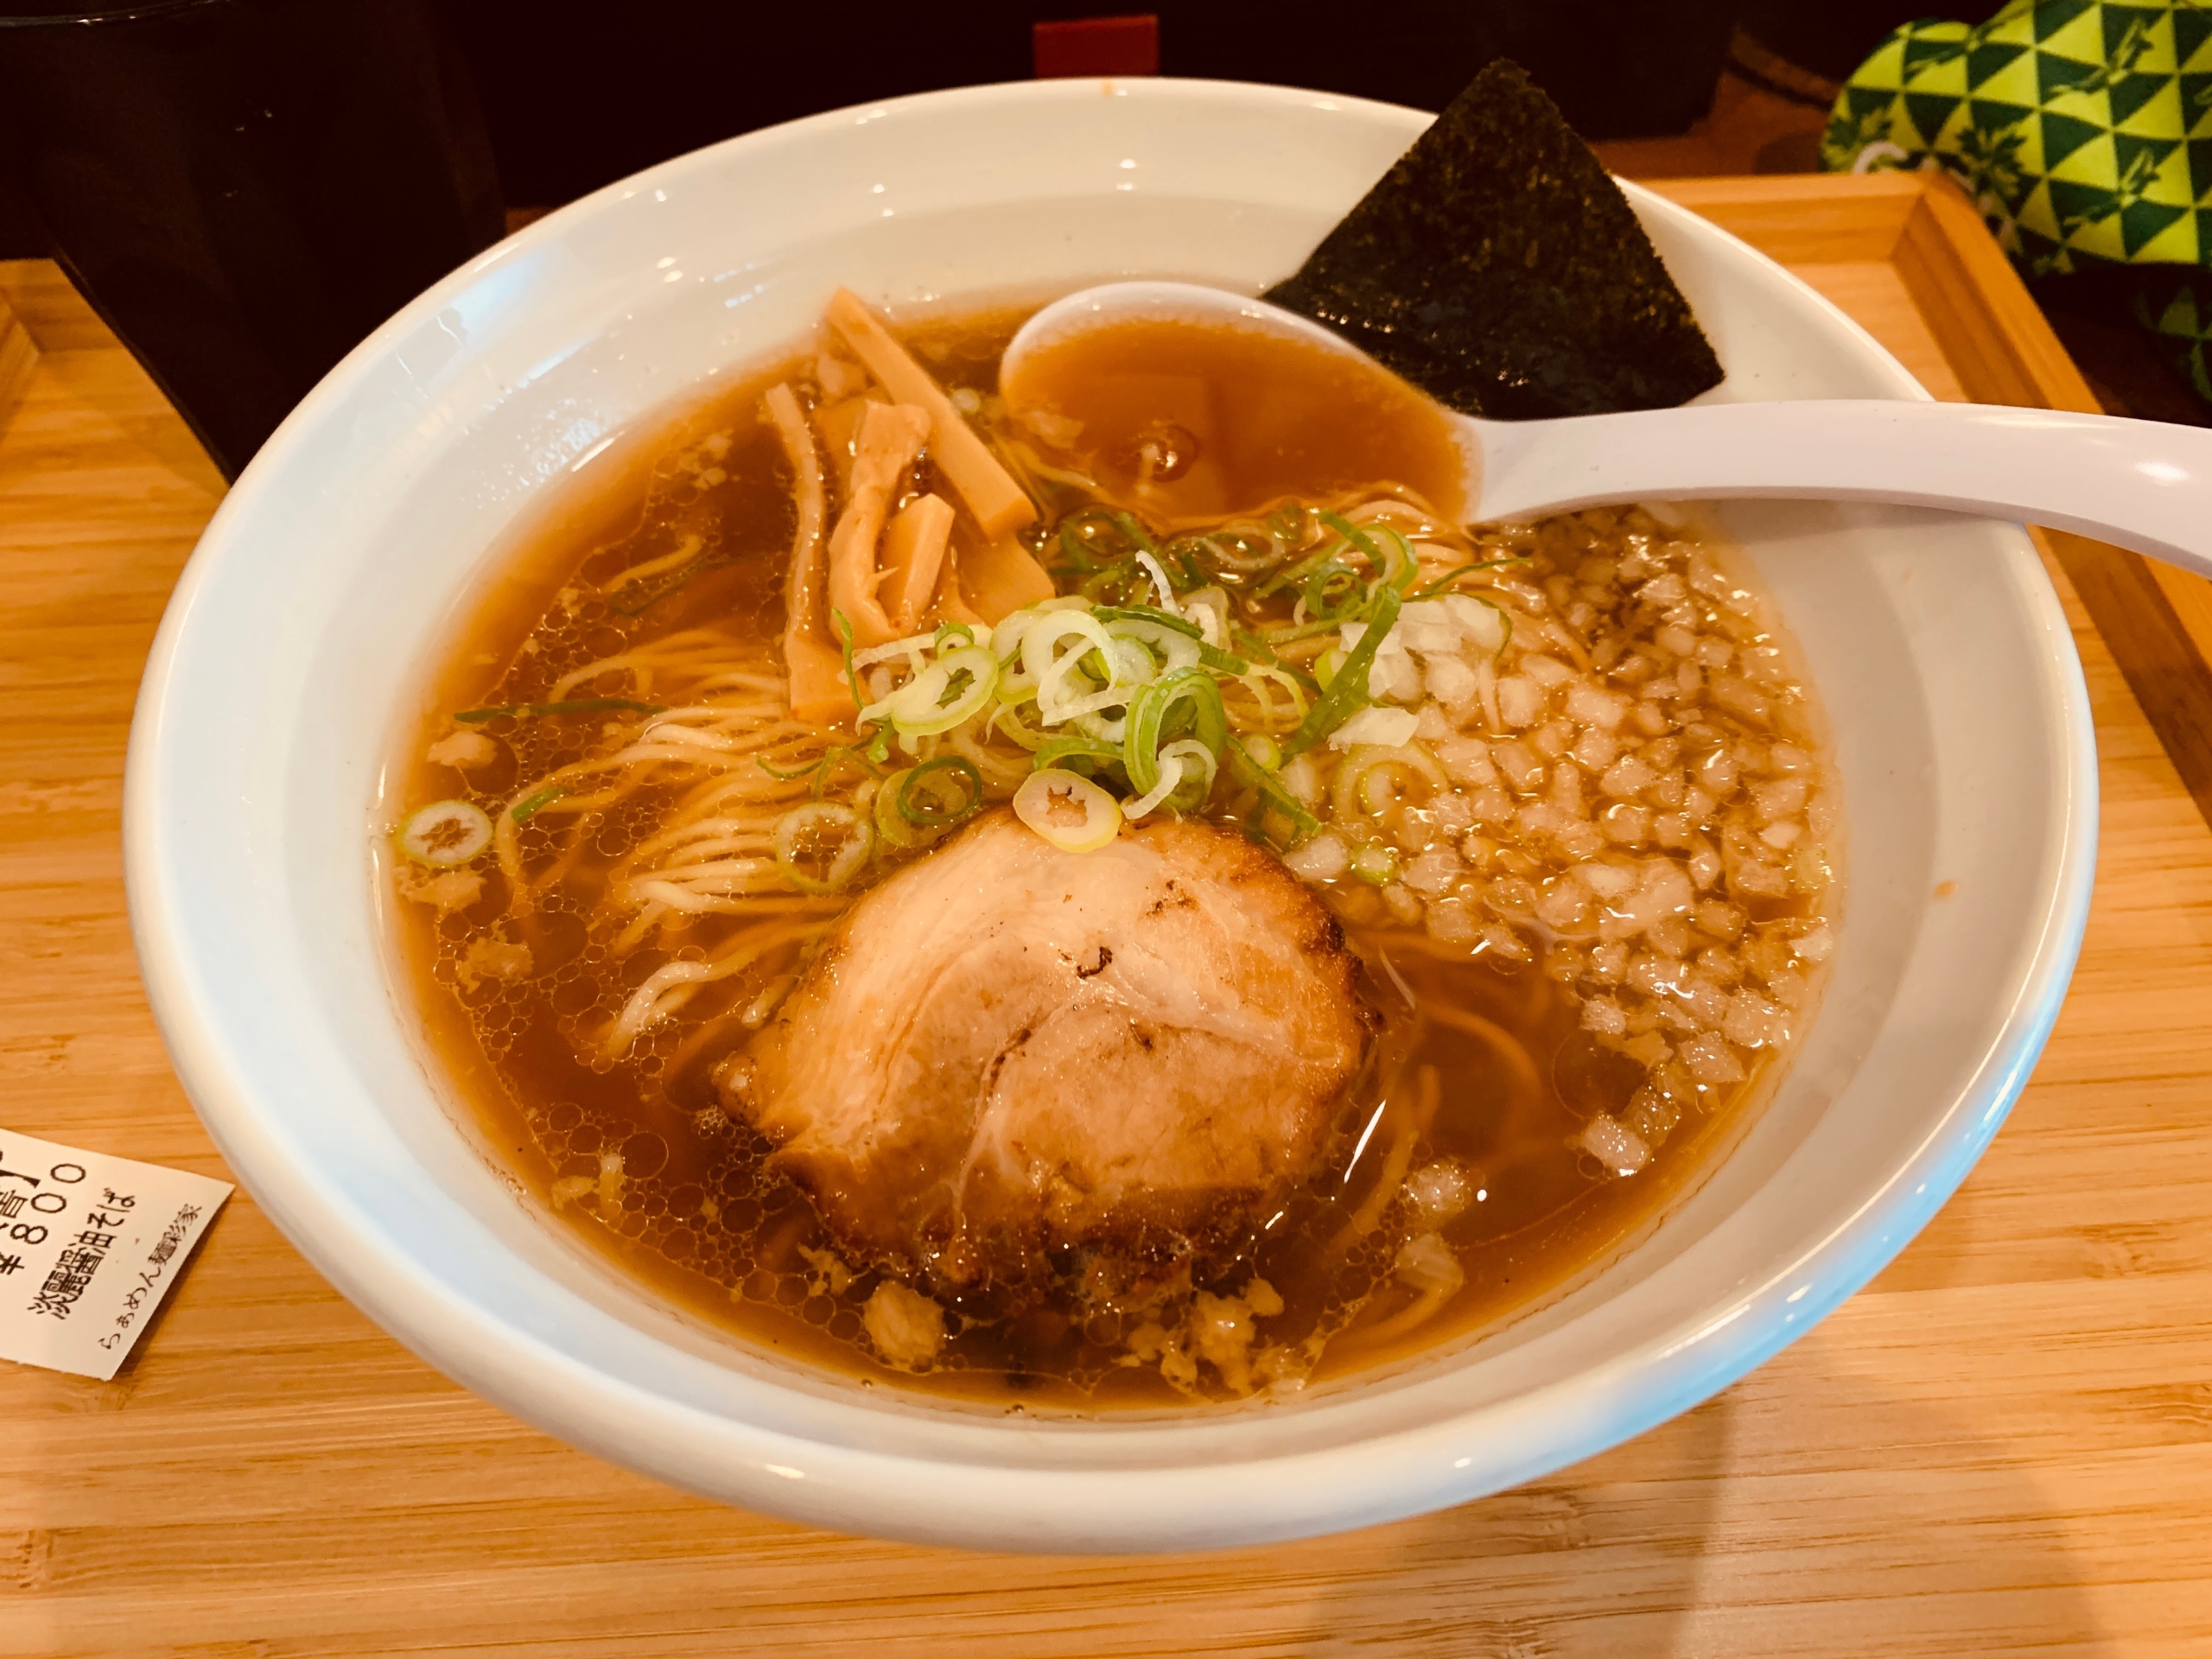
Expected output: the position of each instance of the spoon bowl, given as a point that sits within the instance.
(2142, 484)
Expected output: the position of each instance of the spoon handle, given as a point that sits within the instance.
(2143, 485)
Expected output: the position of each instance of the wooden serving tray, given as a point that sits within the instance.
(2004, 1445)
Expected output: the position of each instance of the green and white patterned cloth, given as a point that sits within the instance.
(2082, 130)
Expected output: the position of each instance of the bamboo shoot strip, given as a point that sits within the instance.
(1000, 579)
(913, 558)
(952, 604)
(816, 666)
(997, 503)
(891, 436)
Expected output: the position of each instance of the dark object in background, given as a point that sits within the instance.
(2103, 318)
(244, 189)
(1096, 46)
(1559, 306)
(1615, 68)
(22, 233)
(572, 108)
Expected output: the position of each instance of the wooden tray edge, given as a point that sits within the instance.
(18, 357)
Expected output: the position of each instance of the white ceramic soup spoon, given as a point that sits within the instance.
(2142, 484)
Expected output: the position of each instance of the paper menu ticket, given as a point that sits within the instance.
(89, 1245)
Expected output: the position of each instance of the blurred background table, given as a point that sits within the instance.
(2002, 1446)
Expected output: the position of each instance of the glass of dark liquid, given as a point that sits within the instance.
(244, 189)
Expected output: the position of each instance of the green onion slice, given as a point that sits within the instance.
(1296, 572)
(1077, 745)
(1443, 583)
(531, 805)
(1187, 769)
(1257, 648)
(1059, 696)
(1376, 864)
(1353, 791)
(1008, 723)
(934, 777)
(1150, 624)
(804, 836)
(843, 624)
(1068, 809)
(1291, 634)
(1291, 524)
(1334, 593)
(891, 830)
(444, 834)
(1397, 566)
(572, 706)
(1150, 713)
(649, 593)
(1111, 614)
(1274, 797)
(1347, 692)
(947, 692)
(1242, 550)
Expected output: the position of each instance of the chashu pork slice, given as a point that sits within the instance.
(1007, 1047)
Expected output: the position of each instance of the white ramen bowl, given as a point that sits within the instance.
(343, 559)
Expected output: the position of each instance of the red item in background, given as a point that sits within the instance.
(1096, 46)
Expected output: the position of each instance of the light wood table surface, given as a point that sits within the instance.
(2004, 1446)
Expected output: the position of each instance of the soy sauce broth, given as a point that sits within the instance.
(1501, 1075)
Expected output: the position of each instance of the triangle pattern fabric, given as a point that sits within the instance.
(2192, 36)
(2194, 89)
(2065, 134)
(2133, 94)
(2078, 40)
(2081, 128)
(2047, 21)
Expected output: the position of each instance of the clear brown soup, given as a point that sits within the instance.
(1494, 1072)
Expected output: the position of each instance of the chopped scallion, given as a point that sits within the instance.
(444, 834)
(1274, 797)
(1077, 745)
(531, 805)
(1150, 721)
(1443, 583)
(1376, 864)
(572, 706)
(1153, 614)
(824, 833)
(1257, 647)
(1347, 692)
(932, 776)
(647, 594)
(1068, 809)
(843, 624)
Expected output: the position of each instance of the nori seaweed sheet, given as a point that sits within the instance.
(1498, 268)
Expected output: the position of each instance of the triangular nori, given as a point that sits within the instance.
(1498, 268)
